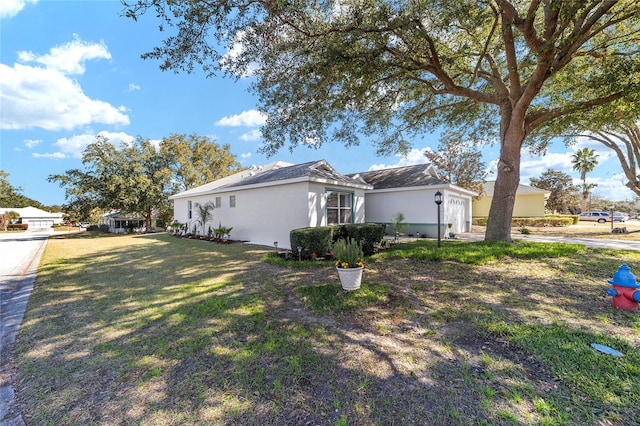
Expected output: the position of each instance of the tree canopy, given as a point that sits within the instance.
(514, 72)
(138, 178)
(459, 163)
(563, 197)
(11, 196)
(624, 139)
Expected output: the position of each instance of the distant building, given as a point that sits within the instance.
(35, 218)
(530, 201)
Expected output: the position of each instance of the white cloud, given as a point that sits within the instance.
(245, 155)
(68, 58)
(10, 8)
(53, 155)
(133, 87)
(46, 97)
(413, 157)
(610, 188)
(253, 135)
(250, 118)
(75, 145)
(31, 143)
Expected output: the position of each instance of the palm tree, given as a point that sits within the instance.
(585, 160)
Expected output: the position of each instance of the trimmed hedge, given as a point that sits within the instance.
(319, 240)
(367, 234)
(18, 227)
(312, 240)
(554, 221)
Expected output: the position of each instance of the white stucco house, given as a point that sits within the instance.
(35, 217)
(263, 204)
(120, 222)
(411, 191)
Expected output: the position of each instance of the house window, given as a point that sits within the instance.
(339, 207)
(232, 200)
(218, 202)
(190, 207)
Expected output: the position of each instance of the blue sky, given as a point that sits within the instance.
(70, 70)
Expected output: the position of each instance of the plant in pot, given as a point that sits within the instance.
(349, 262)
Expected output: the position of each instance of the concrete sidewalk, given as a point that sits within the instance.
(589, 242)
(20, 254)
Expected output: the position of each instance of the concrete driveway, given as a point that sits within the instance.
(20, 255)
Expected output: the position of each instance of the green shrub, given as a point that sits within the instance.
(313, 240)
(554, 221)
(368, 235)
(17, 227)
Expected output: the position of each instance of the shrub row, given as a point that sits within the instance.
(555, 221)
(319, 240)
(17, 227)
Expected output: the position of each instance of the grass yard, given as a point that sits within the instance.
(156, 330)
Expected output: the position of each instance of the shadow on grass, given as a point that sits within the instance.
(155, 329)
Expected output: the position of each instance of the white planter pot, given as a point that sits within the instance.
(350, 277)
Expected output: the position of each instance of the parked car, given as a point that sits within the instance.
(620, 217)
(85, 225)
(600, 217)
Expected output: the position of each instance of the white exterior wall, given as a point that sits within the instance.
(267, 214)
(261, 216)
(457, 212)
(419, 209)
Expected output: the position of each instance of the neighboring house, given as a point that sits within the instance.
(35, 218)
(263, 204)
(411, 191)
(530, 201)
(119, 223)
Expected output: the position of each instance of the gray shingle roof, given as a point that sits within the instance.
(399, 177)
(313, 169)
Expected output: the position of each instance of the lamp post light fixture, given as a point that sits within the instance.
(438, 200)
(299, 253)
(275, 244)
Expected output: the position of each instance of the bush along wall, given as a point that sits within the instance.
(312, 240)
(319, 240)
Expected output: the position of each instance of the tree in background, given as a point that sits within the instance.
(7, 217)
(11, 197)
(501, 70)
(459, 163)
(585, 160)
(563, 192)
(624, 139)
(134, 178)
(197, 160)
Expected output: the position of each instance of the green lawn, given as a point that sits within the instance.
(152, 329)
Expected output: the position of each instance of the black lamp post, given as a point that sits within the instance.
(438, 200)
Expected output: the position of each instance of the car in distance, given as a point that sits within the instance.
(600, 217)
(85, 225)
(620, 217)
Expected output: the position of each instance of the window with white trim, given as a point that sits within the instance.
(218, 202)
(339, 207)
(232, 200)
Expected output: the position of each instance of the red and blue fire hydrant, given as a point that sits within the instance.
(624, 289)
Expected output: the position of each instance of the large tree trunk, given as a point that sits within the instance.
(507, 181)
